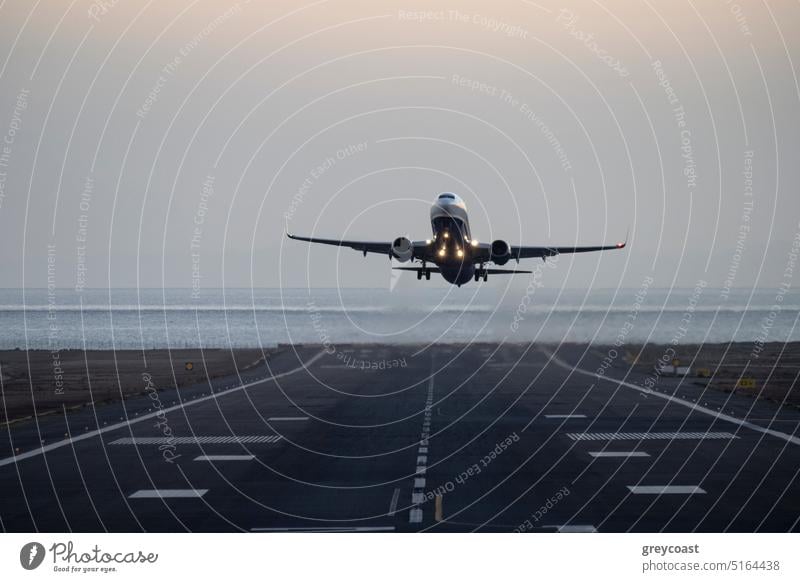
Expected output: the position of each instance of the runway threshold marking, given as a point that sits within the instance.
(675, 400)
(649, 436)
(666, 489)
(617, 454)
(167, 493)
(130, 421)
(199, 440)
(211, 458)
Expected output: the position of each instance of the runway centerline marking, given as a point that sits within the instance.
(418, 493)
(693, 406)
(167, 493)
(565, 416)
(666, 489)
(130, 421)
(287, 418)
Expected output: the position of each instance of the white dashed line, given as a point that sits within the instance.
(648, 436)
(576, 529)
(168, 493)
(565, 416)
(199, 440)
(665, 489)
(418, 494)
(616, 454)
(287, 418)
(225, 458)
(415, 515)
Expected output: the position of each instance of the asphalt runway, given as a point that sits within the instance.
(446, 438)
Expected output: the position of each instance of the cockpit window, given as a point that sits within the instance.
(448, 196)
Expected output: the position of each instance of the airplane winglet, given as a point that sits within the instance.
(623, 244)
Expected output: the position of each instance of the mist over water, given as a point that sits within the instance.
(238, 318)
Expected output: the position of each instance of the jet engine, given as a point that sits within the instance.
(402, 249)
(501, 252)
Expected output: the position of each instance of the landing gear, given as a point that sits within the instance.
(423, 272)
(481, 273)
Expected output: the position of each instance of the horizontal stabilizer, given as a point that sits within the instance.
(429, 269)
(505, 272)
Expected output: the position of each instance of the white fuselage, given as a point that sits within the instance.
(451, 238)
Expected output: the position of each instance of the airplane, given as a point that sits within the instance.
(457, 257)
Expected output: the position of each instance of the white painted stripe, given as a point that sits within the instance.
(648, 436)
(417, 497)
(665, 489)
(423, 450)
(327, 529)
(415, 515)
(576, 529)
(287, 418)
(421, 470)
(615, 454)
(224, 458)
(393, 503)
(199, 440)
(419, 483)
(93, 433)
(565, 416)
(167, 493)
(423, 460)
(675, 400)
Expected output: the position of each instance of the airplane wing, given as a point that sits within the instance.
(525, 252)
(382, 248)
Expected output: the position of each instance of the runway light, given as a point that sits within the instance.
(446, 235)
(460, 253)
(441, 252)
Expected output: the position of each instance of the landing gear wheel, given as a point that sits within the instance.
(427, 275)
(485, 276)
(419, 275)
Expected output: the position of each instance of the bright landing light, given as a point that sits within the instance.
(473, 242)
(441, 252)
(460, 253)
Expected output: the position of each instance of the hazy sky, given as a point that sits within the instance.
(152, 142)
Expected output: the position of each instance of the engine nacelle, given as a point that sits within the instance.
(501, 252)
(402, 250)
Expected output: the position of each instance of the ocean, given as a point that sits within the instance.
(223, 318)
